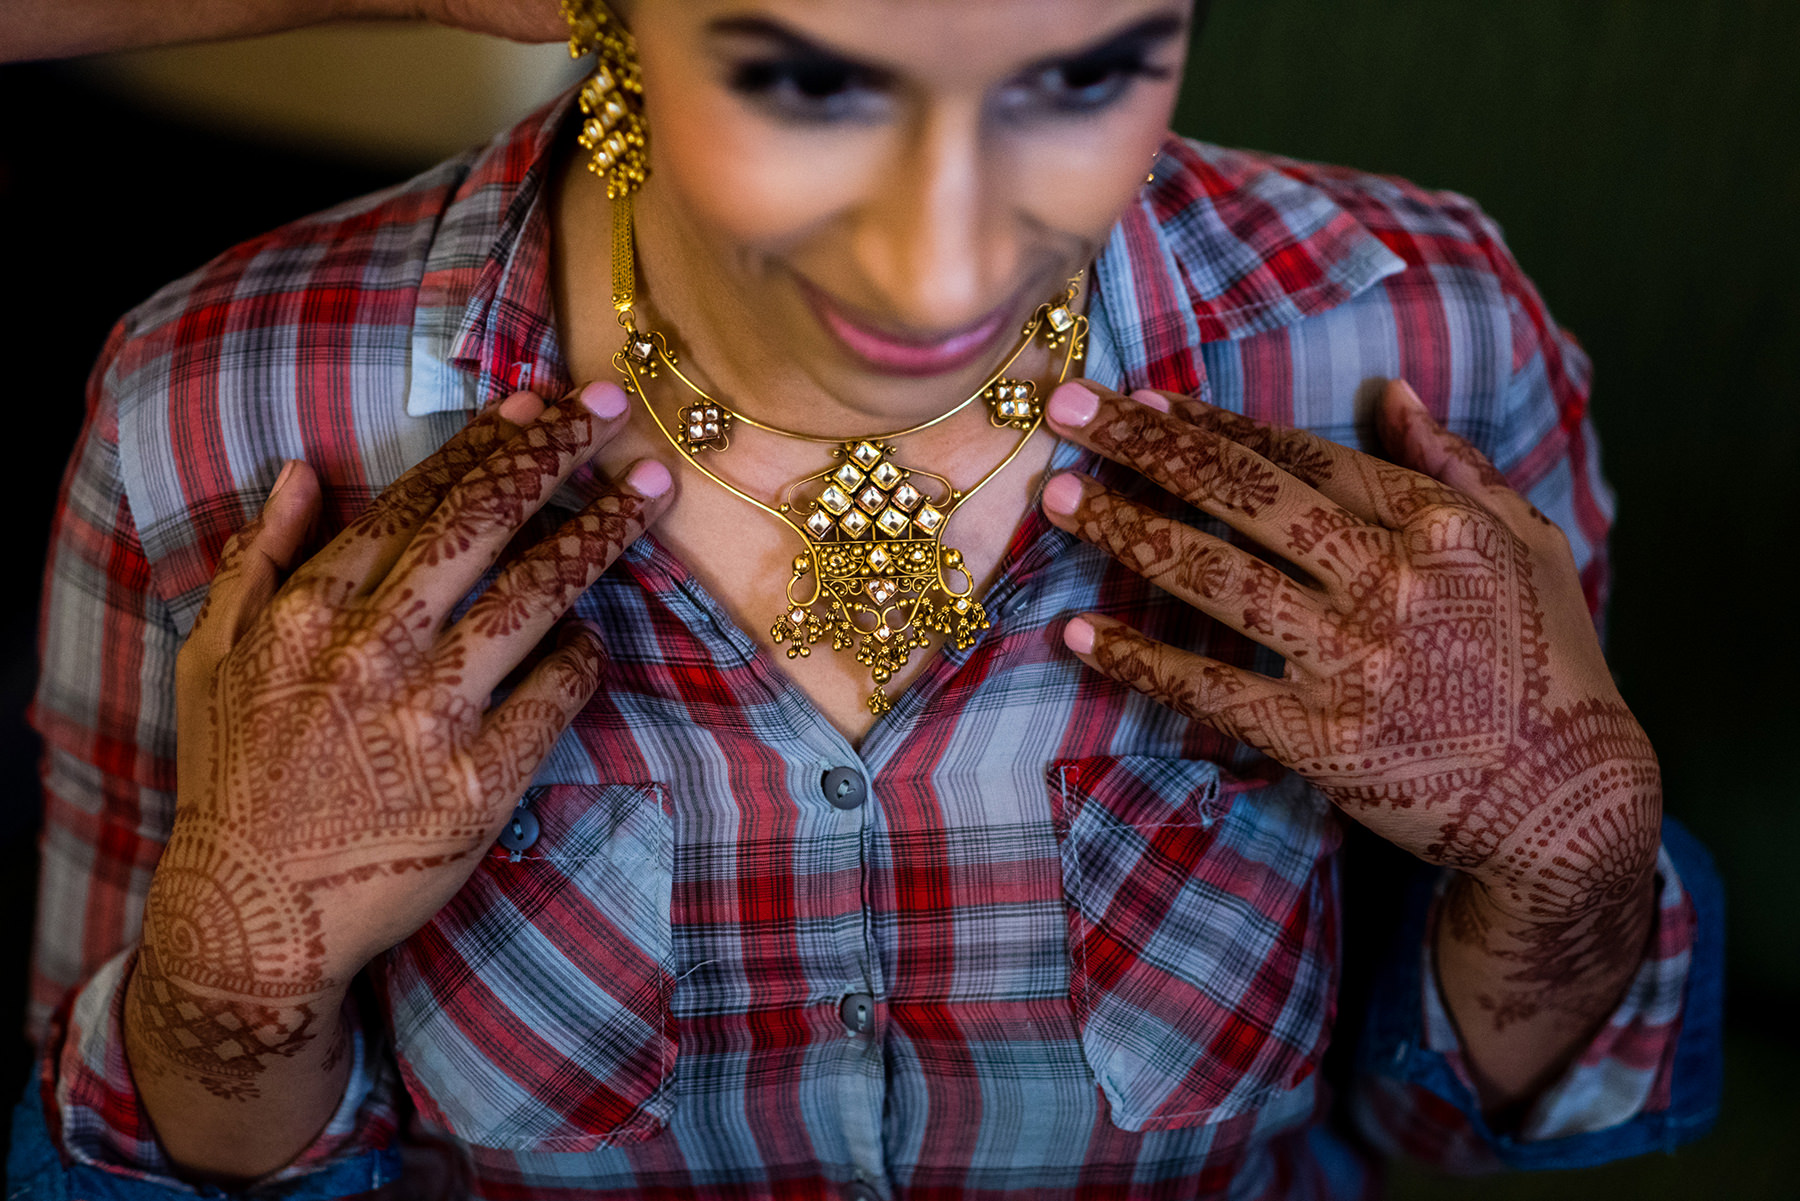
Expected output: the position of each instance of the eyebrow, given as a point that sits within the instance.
(1159, 27)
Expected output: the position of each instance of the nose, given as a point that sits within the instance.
(932, 234)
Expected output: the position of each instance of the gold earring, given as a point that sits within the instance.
(612, 99)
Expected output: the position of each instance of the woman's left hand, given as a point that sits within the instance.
(1444, 683)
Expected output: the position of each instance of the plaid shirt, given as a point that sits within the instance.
(1094, 947)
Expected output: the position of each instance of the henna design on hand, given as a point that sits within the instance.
(1204, 469)
(1298, 452)
(503, 489)
(202, 1005)
(558, 569)
(1552, 966)
(339, 769)
(1268, 606)
(409, 500)
(1444, 686)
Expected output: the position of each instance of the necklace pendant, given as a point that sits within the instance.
(1013, 403)
(641, 350)
(876, 574)
(1056, 324)
(643, 353)
(705, 426)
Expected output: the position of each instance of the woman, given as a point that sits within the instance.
(1037, 887)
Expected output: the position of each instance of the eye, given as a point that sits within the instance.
(1079, 85)
(811, 89)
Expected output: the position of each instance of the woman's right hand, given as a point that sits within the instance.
(339, 771)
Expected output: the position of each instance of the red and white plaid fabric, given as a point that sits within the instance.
(1101, 943)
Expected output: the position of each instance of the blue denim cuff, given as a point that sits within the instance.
(36, 1170)
(1393, 1038)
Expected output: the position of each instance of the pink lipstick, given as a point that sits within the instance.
(904, 354)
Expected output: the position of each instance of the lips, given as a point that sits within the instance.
(906, 354)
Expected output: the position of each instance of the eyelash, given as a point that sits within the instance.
(1110, 79)
(807, 90)
(816, 91)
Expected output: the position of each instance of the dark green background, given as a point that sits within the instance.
(1644, 158)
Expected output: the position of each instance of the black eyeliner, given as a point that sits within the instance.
(1133, 42)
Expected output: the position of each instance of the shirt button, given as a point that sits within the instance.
(520, 832)
(857, 1011)
(844, 787)
(856, 1190)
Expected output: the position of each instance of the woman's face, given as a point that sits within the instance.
(885, 189)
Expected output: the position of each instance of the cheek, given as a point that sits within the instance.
(1079, 181)
(735, 177)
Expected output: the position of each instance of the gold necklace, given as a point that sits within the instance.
(875, 575)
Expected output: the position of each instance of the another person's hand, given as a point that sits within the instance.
(339, 769)
(1444, 684)
(60, 28)
(520, 20)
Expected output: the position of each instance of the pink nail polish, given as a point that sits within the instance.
(1072, 405)
(521, 408)
(1153, 400)
(604, 400)
(649, 479)
(287, 473)
(1063, 494)
(1411, 398)
(1078, 636)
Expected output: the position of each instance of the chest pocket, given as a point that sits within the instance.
(533, 1011)
(1202, 935)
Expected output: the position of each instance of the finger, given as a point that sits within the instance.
(1301, 453)
(1375, 491)
(1209, 471)
(466, 533)
(1237, 703)
(253, 564)
(1414, 437)
(519, 733)
(367, 548)
(537, 588)
(1230, 584)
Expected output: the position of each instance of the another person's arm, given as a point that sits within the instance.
(32, 29)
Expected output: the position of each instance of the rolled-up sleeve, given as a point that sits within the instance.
(1649, 1079)
(104, 706)
(80, 1131)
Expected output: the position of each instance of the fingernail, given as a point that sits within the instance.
(287, 472)
(1410, 397)
(1063, 494)
(1073, 405)
(1078, 636)
(521, 408)
(575, 630)
(604, 400)
(1153, 400)
(649, 479)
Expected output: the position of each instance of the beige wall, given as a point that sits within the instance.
(384, 92)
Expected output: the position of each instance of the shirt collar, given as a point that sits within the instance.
(1221, 245)
(483, 326)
